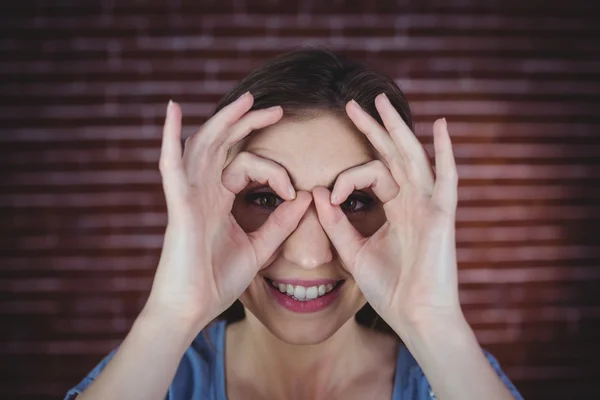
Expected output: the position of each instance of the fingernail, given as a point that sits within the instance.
(445, 122)
(354, 104)
(169, 106)
(246, 94)
(332, 199)
(292, 192)
(273, 108)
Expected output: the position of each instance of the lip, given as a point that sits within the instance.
(310, 306)
(306, 283)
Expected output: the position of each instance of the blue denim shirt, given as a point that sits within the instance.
(201, 372)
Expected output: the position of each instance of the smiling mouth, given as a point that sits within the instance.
(304, 293)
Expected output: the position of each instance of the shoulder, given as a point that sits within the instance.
(412, 384)
(199, 374)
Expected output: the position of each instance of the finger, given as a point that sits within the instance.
(200, 147)
(215, 153)
(170, 163)
(418, 167)
(252, 121)
(226, 116)
(380, 139)
(213, 128)
(344, 237)
(280, 224)
(247, 167)
(374, 175)
(445, 191)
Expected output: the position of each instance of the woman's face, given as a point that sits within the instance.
(313, 152)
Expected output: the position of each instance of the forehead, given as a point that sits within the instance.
(313, 151)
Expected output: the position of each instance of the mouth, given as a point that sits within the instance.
(304, 292)
(309, 297)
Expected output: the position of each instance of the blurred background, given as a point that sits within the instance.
(83, 91)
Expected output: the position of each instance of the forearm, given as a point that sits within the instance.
(144, 365)
(452, 360)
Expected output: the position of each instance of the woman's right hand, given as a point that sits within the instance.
(207, 260)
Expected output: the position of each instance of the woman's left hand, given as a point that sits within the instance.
(407, 270)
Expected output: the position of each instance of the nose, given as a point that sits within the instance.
(308, 246)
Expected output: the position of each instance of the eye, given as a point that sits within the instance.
(357, 202)
(266, 200)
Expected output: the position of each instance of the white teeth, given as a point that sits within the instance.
(312, 292)
(300, 292)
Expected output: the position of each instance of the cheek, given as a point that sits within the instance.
(248, 217)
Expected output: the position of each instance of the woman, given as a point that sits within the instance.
(328, 204)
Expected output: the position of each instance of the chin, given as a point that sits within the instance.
(301, 332)
(300, 328)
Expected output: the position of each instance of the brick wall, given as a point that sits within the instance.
(83, 94)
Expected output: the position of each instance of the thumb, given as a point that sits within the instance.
(344, 237)
(280, 224)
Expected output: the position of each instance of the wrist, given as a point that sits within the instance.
(431, 338)
(427, 328)
(176, 324)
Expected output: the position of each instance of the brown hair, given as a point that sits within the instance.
(311, 80)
